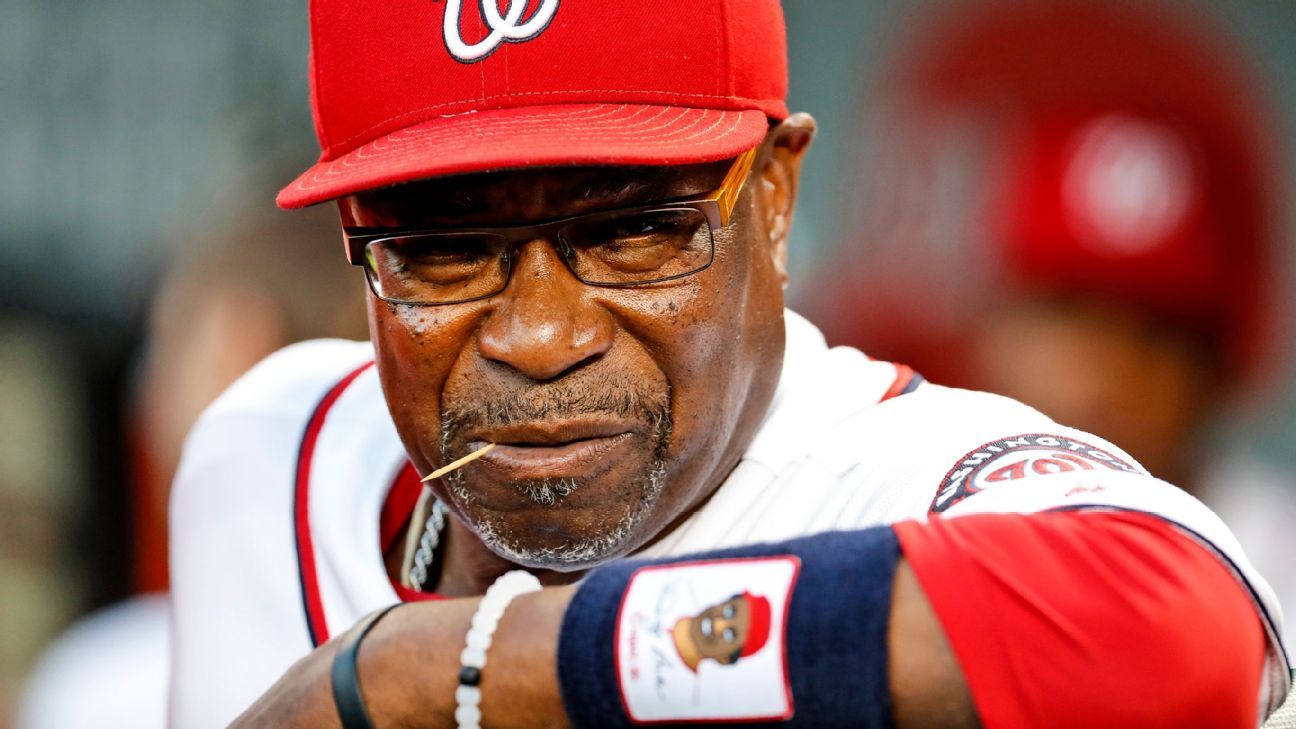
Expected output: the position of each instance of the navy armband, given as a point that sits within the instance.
(788, 634)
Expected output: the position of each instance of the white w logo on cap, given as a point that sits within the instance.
(504, 28)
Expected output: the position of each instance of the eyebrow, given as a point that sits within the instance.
(626, 187)
(611, 189)
(645, 183)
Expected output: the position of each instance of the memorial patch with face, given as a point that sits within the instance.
(1021, 457)
(706, 641)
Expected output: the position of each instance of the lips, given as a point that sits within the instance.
(553, 449)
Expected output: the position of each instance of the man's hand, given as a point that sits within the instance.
(409, 670)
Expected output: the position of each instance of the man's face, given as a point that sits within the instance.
(614, 409)
(720, 631)
(1082, 361)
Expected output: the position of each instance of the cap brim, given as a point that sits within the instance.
(535, 136)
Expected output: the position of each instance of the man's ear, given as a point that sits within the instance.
(780, 173)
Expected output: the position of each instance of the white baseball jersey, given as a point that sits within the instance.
(276, 510)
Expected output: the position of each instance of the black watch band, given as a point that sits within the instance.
(346, 682)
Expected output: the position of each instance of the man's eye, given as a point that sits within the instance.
(640, 230)
(637, 227)
(639, 245)
(439, 251)
(648, 229)
(729, 635)
(437, 260)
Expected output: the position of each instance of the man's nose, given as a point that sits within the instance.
(545, 322)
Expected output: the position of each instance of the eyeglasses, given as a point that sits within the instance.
(627, 247)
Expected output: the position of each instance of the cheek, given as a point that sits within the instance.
(687, 329)
(416, 348)
(728, 328)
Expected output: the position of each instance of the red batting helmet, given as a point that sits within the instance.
(1109, 150)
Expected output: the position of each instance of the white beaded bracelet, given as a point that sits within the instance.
(473, 659)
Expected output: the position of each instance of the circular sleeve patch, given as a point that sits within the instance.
(1030, 456)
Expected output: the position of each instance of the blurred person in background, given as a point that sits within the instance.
(1076, 207)
(119, 119)
(234, 300)
(230, 300)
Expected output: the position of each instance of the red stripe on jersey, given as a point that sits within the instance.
(401, 500)
(407, 594)
(1090, 619)
(312, 601)
(396, 513)
(904, 375)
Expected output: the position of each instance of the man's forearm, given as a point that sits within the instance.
(928, 690)
(1071, 618)
(409, 667)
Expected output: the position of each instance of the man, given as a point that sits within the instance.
(1109, 234)
(573, 218)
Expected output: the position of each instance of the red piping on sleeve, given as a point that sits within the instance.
(902, 384)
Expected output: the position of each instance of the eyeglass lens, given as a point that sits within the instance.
(613, 249)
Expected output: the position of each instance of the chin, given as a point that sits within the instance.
(551, 533)
(576, 557)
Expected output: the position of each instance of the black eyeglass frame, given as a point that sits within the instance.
(717, 207)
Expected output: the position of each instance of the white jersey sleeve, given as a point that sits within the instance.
(239, 623)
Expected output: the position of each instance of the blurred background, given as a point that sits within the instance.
(1081, 204)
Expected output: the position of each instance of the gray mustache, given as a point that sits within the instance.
(559, 402)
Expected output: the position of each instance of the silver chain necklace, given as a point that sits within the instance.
(420, 556)
(425, 555)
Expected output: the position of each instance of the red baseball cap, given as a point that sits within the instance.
(410, 89)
